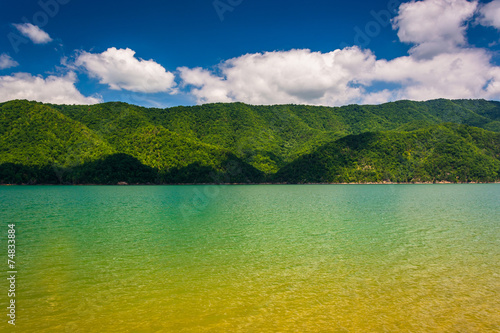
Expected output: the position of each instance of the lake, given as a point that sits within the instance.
(255, 258)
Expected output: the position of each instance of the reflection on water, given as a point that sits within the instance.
(409, 258)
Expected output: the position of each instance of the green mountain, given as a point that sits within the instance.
(112, 142)
(39, 144)
(446, 152)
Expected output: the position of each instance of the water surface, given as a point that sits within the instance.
(319, 258)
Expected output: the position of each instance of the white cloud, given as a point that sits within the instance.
(37, 35)
(7, 62)
(210, 87)
(344, 76)
(490, 14)
(467, 73)
(119, 69)
(441, 65)
(296, 76)
(53, 89)
(434, 26)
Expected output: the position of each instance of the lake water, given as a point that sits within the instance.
(305, 258)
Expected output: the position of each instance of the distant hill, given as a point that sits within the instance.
(238, 143)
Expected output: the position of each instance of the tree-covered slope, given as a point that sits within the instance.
(269, 137)
(222, 142)
(37, 139)
(36, 134)
(449, 152)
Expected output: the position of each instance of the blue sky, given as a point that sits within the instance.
(166, 53)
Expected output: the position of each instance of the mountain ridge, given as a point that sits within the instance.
(221, 142)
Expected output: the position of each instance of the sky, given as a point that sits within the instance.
(166, 53)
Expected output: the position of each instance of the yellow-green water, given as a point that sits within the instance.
(362, 258)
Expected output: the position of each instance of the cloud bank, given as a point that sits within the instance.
(296, 76)
(439, 65)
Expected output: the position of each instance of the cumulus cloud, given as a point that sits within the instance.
(120, 69)
(434, 26)
(344, 76)
(440, 65)
(37, 35)
(296, 76)
(53, 89)
(7, 62)
(490, 14)
(467, 73)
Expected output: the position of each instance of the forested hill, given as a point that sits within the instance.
(447, 152)
(115, 142)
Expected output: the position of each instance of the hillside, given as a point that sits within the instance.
(269, 137)
(111, 142)
(39, 144)
(447, 152)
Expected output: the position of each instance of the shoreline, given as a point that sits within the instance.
(227, 184)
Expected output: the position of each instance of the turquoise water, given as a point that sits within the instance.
(318, 258)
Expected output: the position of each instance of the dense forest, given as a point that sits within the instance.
(110, 143)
